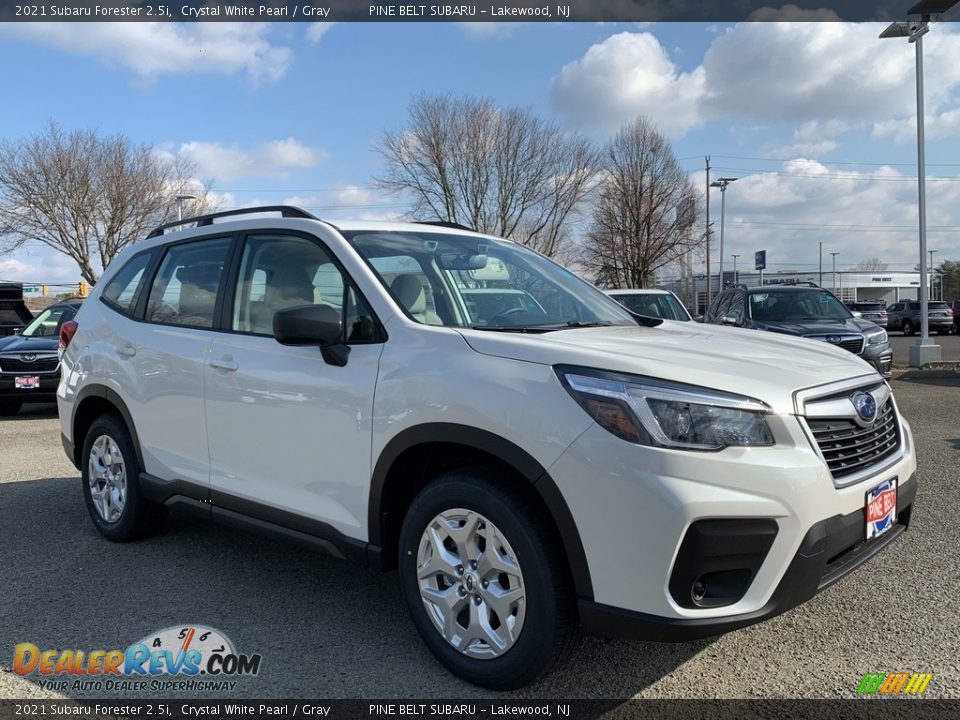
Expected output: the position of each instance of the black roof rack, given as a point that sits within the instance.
(446, 224)
(287, 211)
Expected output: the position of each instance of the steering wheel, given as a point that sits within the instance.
(507, 313)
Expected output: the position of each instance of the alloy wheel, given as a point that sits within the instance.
(471, 583)
(107, 478)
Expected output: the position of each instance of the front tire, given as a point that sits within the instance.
(907, 327)
(111, 484)
(485, 581)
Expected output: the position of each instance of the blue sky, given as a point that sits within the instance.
(817, 120)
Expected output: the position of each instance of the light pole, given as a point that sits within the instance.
(834, 256)
(180, 199)
(820, 281)
(933, 273)
(734, 256)
(925, 351)
(722, 184)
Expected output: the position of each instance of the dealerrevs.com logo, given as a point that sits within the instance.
(189, 657)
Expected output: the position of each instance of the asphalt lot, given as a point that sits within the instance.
(329, 629)
(949, 347)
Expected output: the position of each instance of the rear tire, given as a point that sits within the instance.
(111, 483)
(907, 327)
(506, 560)
(10, 408)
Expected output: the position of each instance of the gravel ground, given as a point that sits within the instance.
(328, 629)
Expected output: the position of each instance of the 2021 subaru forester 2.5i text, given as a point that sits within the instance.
(562, 468)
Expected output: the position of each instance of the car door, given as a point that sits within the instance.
(165, 351)
(289, 433)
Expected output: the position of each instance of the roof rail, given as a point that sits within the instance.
(287, 211)
(446, 224)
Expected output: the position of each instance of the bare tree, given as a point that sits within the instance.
(871, 264)
(645, 212)
(502, 171)
(88, 196)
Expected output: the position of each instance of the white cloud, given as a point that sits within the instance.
(626, 75)
(270, 159)
(351, 202)
(860, 214)
(792, 13)
(788, 72)
(316, 31)
(153, 49)
(483, 30)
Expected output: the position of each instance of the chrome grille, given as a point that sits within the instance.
(853, 343)
(13, 364)
(849, 448)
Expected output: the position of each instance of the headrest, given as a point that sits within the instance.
(409, 292)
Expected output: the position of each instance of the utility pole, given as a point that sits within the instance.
(821, 266)
(834, 256)
(735, 280)
(709, 280)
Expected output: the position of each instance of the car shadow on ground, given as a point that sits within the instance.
(944, 378)
(324, 628)
(33, 411)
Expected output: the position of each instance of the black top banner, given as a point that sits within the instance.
(484, 11)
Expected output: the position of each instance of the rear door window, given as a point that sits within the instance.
(185, 289)
(124, 288)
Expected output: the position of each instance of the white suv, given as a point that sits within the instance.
(562, 468)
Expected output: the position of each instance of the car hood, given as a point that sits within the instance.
(19, 343)
(764, 366)
(815, 327)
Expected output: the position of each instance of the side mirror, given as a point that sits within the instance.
(730, 319)
(313, 325)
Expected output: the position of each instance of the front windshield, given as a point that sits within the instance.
(796, 306)
(47, 323)
(661, 305)
(466, 281)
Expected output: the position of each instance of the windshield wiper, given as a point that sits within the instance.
(542, 328)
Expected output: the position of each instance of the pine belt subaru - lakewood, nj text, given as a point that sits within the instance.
(561, 468)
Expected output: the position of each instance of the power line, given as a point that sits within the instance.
(835, 162)
(879, 178)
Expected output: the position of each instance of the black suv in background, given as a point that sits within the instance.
(805, 311)
(30, 361)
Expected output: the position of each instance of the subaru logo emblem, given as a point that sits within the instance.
(865, 406)
(833, 339)
(28, 358)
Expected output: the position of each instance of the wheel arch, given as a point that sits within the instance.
(417, 454)
(92, 402)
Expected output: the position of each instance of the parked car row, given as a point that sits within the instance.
(29, 360)
(800, 310)
(537, 462)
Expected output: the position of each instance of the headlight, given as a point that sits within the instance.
(878, 338)
(652, 412)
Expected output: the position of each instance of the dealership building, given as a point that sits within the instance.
(850, 286)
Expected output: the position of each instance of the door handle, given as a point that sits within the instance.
(127, 350)
(228, 365)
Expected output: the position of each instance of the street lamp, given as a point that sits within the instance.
(734, 256)
(722, 184)
(180, 199)
(933, 274)
(925, 351)
(834, 257)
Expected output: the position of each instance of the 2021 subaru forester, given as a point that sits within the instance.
(561, 468)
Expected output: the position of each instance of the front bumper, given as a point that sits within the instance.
(45, 392)
(880, 356)
(634, 506)
(831, 549)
